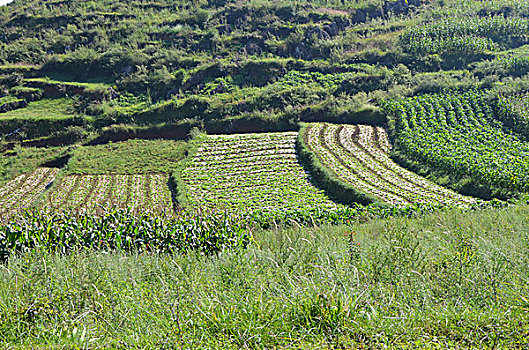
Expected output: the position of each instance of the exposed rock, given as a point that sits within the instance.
(320, 34)
(331, 29)
(253, 49)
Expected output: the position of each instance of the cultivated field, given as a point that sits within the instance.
(359, 156)
(93, 193)
(22, 191)
(462, 134)
(250, 171)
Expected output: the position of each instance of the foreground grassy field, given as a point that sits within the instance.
(445, 280)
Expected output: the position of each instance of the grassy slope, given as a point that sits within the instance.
(90, 86)
(445, 280)
(129, 157)
(59, 108)
(25, 160)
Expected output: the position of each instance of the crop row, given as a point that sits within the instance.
(461, 134)
(241, 173)
(358, 155)
(93, 193)
(116, 229)
(21, 192)
(374, 143)
(464, 35)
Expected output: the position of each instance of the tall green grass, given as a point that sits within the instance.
(445, 280)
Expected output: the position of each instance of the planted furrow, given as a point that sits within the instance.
(78, 195)
(147, 192)
(62, 193)
(259, 149)
(329, 157)
(32, 187)
(96, 200)
(161, 200)
(137, 193)
(385, 190)
(128, 192)
(379, 155)
(90, 182)
(244, 174)
(357, 140)
(119, 191)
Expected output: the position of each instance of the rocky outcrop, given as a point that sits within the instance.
(10, 106)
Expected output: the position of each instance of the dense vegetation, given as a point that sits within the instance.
(461, 135)
(447, 280)
(230, 67)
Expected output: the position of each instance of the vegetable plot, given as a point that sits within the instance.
(460, 134)
(459, 35)
(242, 173)
(20, 193)
(93, 193)
(359, 156)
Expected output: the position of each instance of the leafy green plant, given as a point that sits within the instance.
(461, 135)
(119, 230)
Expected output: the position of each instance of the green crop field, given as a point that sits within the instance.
(359, 156)
(239, 173)
(460, 134)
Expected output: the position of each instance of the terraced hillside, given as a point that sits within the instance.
(21, 192)
(240, 173)
(359, 156)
